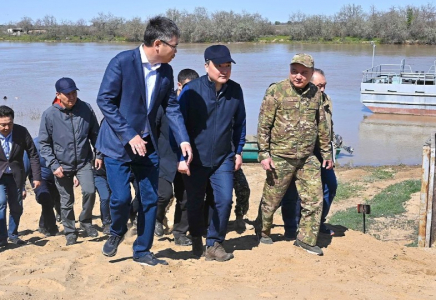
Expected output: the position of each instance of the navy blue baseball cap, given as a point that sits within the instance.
(218, 54)
(65, 85)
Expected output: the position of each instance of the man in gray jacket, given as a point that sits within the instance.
(67, 129)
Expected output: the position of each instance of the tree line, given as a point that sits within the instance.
(399, 25)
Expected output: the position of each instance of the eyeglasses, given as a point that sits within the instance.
(168, 44)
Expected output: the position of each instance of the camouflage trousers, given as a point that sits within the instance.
(242, 192)
(307, 175)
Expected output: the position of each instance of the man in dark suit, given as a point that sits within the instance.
(135, 84)
(15, 139)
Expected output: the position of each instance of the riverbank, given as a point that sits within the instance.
(354, 265)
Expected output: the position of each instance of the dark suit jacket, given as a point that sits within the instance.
(122, 101)
(169, 157)
(21, 141)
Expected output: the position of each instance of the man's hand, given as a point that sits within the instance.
(238, 161)
(268, 164)
(36, 184)
(187, 152)
(59, 173)
(328, 164)
(138, 145)
(24, 194)
(98, 164)
(76, 182)
(183, 168)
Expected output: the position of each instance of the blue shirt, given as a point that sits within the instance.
(7, 146)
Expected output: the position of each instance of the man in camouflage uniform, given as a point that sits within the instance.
(291, 122)
(242, 193)
(291, 202)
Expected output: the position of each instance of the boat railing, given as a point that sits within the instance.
(382, 73)
(399, 74)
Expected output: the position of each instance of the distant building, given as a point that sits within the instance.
(15, 31)
(37, 31)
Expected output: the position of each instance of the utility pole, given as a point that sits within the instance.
(373, 53)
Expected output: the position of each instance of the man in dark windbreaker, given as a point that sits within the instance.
(214, 112)
(68, 128)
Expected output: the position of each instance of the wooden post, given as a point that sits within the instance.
(424, 195)
(431, 195)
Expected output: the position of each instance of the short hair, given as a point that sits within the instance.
(160, 28)
(319, 71)
(187, 74)
(6, 111)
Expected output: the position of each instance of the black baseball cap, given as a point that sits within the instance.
(218, 54)
(65, 85)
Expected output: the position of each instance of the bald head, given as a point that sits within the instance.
(318, 79)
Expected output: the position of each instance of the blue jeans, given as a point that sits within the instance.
(12, 195)
(291, 203)
(221, 180)
(104, 192)
(146, 171)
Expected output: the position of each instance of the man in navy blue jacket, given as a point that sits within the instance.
(135, 84)
(214, 112)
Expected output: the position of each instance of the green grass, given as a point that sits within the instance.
(388, 203)
(379, 174)
(347, 190)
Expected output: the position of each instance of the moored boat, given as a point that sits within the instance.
(391, 88)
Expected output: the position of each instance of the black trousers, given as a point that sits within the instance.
(47, 196)
(165, 193)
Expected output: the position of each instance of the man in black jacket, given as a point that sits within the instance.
(214, 112)
(15, 139)
(67, 129)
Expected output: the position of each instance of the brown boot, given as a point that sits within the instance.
(217, 252)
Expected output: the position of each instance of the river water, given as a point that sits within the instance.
(29, 71)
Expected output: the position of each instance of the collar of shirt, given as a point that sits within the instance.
(145, 61)
(6, 138)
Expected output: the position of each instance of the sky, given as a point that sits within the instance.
(13, 11)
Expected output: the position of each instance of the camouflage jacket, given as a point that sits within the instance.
(328, 109)
(291, 123)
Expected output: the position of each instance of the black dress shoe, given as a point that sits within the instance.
(17, 241)
(3, 243)
(44, 231)
(150, 260)
(89, 230)
(182, 240)
(197, 246)
(158, 229)
(71, 239)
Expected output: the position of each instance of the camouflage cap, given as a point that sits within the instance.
(303, 59)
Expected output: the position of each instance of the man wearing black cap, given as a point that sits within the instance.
(214, 112)
(67, 129)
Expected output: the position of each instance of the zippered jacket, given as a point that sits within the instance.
(66, 135)
(215, 122)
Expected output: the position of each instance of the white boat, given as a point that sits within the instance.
(396, 89)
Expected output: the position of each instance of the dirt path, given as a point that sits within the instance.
(354, 265)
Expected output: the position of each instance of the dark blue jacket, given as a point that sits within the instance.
(214, 122)
(46, 173)
(122, 100)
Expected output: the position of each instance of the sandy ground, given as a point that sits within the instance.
(354, 265)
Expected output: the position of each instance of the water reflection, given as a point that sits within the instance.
(392, 139)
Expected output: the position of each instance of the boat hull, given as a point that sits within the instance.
(399, 98)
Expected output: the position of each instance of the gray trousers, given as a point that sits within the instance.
(65, 186)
